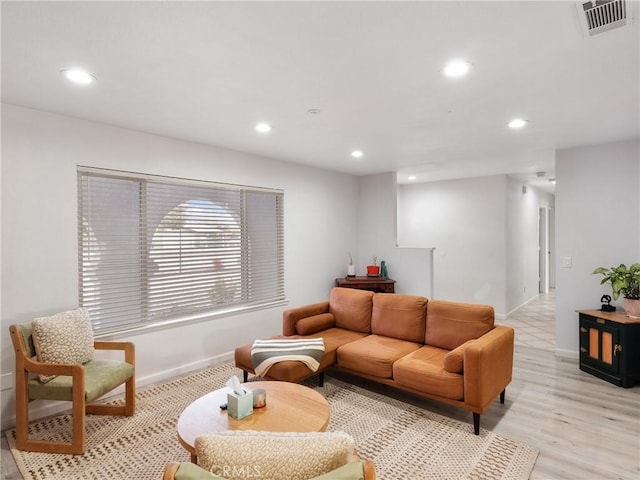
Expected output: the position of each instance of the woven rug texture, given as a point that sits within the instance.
(404, 441)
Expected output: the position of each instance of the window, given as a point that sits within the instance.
(157, 249)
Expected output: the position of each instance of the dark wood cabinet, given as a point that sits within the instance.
(610, 346)
(374, 284)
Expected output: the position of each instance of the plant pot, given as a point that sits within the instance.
(632, 307)
(373, 271)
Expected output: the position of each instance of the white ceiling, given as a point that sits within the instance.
(209, 71)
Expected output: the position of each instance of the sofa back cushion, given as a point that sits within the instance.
(450, 324)
(399, 316)
(351, 308)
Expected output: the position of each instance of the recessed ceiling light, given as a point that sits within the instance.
(357, 154)
(263, 127)
(552, 180)
(78, 76)
(456, 68)
(411, 177)
(517, 123)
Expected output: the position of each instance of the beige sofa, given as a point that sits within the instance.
(448, 351)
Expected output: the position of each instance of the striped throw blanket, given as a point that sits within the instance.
(265, 353)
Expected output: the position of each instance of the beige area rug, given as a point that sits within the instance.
(405, 442)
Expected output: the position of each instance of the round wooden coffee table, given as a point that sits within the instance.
(290, 408)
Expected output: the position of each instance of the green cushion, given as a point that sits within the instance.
(101, 376)
(27, 336)
(191, 471)
(350, 471)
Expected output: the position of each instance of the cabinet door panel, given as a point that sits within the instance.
(597, 344)
(607, 348)
(594, 343)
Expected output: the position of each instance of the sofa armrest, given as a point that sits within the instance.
(291, 316)
(488, 367)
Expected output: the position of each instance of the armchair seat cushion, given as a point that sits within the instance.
(101, 376)
(191, 471)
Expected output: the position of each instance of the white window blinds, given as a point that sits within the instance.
(156, 249)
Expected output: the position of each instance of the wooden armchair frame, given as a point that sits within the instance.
(27, 366)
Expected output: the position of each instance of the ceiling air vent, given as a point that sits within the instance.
(602, 15)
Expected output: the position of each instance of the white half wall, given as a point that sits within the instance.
(40, 152)
(597, 225)
(411, 268)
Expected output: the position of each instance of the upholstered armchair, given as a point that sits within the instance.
(357, 470)
(39, 375)
(241, 454)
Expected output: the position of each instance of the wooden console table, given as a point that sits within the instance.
(374, 284)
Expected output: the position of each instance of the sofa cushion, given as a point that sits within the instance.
(450, 324)
(315, 323)
(352, 308)
(423, 370)
(273, 455)
(399, 316)
(374, 354)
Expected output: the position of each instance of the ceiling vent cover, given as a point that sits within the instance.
(602, 15)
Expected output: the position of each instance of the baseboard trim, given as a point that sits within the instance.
(40, 409)
(572, 354)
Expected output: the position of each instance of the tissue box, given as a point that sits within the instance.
(239, 406)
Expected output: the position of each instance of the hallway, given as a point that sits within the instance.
(535, 323)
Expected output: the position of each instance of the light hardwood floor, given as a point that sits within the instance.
(584, 427)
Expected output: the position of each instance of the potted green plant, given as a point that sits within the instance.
(625, 281)
(373, 270)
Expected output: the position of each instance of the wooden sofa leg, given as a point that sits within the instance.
(476, 423)
(502, 395)
(245, 376)
(321, 379)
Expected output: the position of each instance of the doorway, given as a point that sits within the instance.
(546, 233)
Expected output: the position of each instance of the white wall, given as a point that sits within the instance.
(597, 224)
(485, 234)
(465, 221)
(522, 242)
(40, 152)
(377, 236)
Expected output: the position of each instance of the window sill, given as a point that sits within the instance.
(187, 320)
